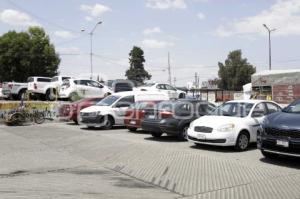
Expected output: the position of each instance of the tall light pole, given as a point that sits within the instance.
(91, 45)
(269, 31)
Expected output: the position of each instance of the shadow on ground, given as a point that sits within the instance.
(283, 161)
(222, 149)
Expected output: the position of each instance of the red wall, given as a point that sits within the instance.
(285, 94)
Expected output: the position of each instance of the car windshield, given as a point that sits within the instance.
(293, 108)
(109, 100)
(233, 109)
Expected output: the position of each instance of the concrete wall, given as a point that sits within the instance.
(50, 109)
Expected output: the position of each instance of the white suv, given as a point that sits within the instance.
(172, 92)
(71, 88)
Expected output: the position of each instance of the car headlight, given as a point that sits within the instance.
(99, 113)
(226, 128)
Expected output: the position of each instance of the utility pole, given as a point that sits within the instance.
(196, 80)
(269, 31)
(91, 46)
(169, 69)
(174, 81)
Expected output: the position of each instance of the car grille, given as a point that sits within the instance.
(283, 132)
(92, 114)
(203, 129)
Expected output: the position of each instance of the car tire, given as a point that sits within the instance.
(269, 155)
(76, 122)
(22, 94)
(156, 134)
(181, 96)
(109, 123)
(183, 133)
(48, 95)
(242, 141)
(132, 129)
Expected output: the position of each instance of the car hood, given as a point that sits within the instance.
(95, 109)
(283, 120)
(214, 121)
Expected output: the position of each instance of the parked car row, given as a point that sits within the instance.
(235, 123)
(70, 88)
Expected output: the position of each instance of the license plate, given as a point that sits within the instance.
(282, 143)
(132, 122)
(151, 116)
(201, 136)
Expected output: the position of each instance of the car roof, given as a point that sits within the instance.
(255, 101)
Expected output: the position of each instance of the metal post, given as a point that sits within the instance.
(91, 54)
(169, 69)
(269, 31)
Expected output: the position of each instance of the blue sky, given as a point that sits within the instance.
(197, 33)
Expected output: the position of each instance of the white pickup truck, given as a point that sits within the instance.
(45, 87)
(14, 90)
(37, 85)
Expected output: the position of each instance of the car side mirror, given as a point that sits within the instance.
(258, 113)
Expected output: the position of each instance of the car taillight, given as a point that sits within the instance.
(165, 114)
(35, 86)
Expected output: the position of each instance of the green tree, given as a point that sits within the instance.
(137, 72)
(235, 72)
(24, 54)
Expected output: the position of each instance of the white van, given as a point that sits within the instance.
(111, 110)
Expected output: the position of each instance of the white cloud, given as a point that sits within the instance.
(201, 16)
(166, 4)
(95, 10)
(17, 18)
(149, 31)
(68, 50)
(63, 34)
(283, 15)
(153, 43)
(88, 18)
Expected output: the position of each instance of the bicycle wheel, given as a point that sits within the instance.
(17, 119)
(39, 118)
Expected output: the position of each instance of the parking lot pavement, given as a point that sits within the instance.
(68, 161)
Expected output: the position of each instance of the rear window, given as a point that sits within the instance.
(43, 79)
(30, 79)
(54, 79)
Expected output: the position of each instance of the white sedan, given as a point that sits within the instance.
(235, 123)
(172, 92)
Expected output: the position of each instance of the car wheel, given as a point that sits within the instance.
(22, 94)
(269, 155)
(156, 134)
(108, 123)
(242, 141)
(132, 129)
(181, 96)
(76, 122)
(50, 96)
(183, 133)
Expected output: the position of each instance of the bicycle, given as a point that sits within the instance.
(22, 115)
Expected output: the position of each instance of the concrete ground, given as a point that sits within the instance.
(58, 160)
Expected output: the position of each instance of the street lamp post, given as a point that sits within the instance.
(91, 45)
(269, 31)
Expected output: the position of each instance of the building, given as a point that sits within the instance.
(282, 86)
